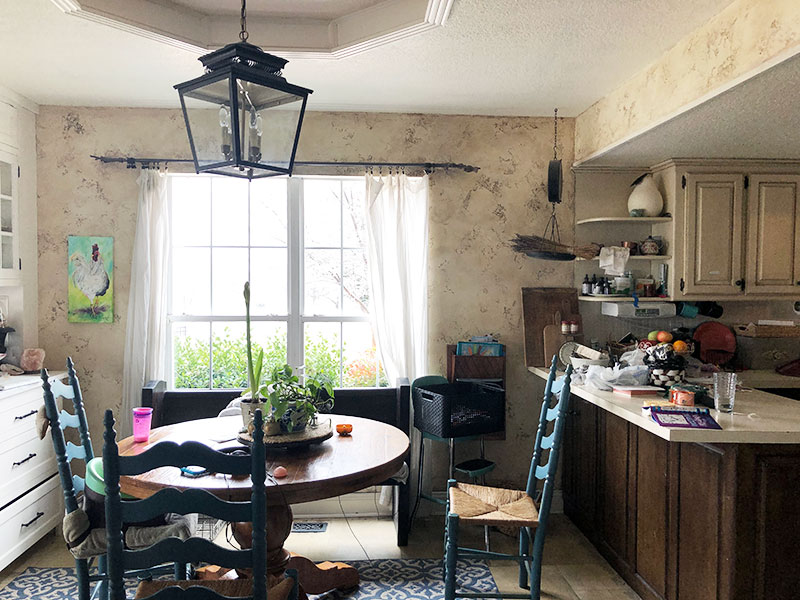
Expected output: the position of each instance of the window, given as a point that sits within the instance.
(301, 244)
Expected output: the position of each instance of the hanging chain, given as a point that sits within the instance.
(551, 230)
(243, 35)
(555, 134)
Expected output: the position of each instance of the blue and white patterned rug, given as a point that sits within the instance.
(382, 579)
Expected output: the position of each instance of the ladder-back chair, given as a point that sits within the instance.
(528, 510)
(193, 549)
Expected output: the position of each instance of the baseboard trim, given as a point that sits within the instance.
(358, 504)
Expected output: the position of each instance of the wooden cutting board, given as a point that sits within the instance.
(540, 307)
(553, 340)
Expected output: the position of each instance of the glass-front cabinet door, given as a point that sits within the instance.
(8, 216)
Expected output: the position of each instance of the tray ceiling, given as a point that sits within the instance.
(305, 28)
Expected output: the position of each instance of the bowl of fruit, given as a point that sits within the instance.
(665, 357)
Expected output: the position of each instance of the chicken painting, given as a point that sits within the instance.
(90, 271)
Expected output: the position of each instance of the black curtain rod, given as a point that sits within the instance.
(131, 163)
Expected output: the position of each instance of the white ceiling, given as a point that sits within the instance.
(318, 9)
(759, 118)
(498, 57)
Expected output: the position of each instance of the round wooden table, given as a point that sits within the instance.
(340, 465)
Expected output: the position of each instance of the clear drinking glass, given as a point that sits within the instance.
(724, 391)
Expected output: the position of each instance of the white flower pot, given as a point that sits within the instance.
(646, 197)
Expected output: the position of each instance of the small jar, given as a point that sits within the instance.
(573, 327)
(565, 327)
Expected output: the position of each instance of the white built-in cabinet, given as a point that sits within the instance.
(18, 220)
(9, 206)
(30, 497)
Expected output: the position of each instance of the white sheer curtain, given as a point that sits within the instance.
(146, 335)
(397, 226)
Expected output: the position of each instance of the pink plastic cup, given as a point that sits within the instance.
(142, 416)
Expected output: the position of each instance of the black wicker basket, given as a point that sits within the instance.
(459, 409)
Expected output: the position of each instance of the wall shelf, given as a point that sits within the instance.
(636, 257)
(640, 220)
(619, 299)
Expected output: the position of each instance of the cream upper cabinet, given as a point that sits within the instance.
(714, 235)
(773, 238)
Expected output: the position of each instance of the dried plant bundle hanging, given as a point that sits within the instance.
(541, 247)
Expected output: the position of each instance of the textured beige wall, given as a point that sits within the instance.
(474, 278)
(740, 39)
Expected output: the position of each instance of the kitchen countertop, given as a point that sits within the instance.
(768, 379)
(758, 418)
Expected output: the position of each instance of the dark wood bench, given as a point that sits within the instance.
(387, 405)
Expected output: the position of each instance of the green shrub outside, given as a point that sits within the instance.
(323, 355)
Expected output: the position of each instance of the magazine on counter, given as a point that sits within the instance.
(693, 417)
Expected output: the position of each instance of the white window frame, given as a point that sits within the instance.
(295, 319)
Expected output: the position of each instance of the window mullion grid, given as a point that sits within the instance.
(341, 281)
(211, 285)
(170, 371)
(296, 252)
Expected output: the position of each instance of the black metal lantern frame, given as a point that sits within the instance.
(243, 65)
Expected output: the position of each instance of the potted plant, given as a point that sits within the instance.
(300, 402)
(255, 396)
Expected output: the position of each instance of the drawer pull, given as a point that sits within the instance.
(38, 516)
(24, 460)
(25, 416)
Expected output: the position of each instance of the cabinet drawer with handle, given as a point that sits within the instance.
(24, 464)
(26, 520)
(18, 412)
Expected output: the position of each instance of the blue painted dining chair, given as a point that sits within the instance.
(75, 487)
(72, 485)
(193, 549)
(529, 510)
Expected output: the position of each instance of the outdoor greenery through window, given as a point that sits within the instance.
(301, 244)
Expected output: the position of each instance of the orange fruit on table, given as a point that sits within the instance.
(664, 336)
(680, 346)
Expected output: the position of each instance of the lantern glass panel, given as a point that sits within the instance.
(268, 123)
(210, 122)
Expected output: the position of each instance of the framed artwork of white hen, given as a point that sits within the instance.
(91, 279)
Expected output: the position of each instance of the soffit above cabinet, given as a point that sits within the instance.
(757, 119)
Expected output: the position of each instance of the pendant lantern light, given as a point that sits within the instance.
(243, 118)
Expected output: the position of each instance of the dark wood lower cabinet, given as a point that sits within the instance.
(685, 521)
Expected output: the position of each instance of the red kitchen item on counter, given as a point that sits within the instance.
(717, 342)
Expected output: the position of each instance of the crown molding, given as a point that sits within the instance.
(197, 32)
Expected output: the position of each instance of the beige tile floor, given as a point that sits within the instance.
(572, 569)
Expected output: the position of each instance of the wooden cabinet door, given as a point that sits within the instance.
(714, 234)
(773, 225)
(613, 484)
(580, 466)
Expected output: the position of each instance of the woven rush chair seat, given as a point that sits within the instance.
(485, 505)
(232, 588)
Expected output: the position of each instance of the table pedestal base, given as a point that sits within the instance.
(313, 578)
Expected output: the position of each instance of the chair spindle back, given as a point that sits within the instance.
(189, 501)
(66, 452)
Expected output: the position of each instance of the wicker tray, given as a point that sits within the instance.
(310, 435)
(766, 331)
